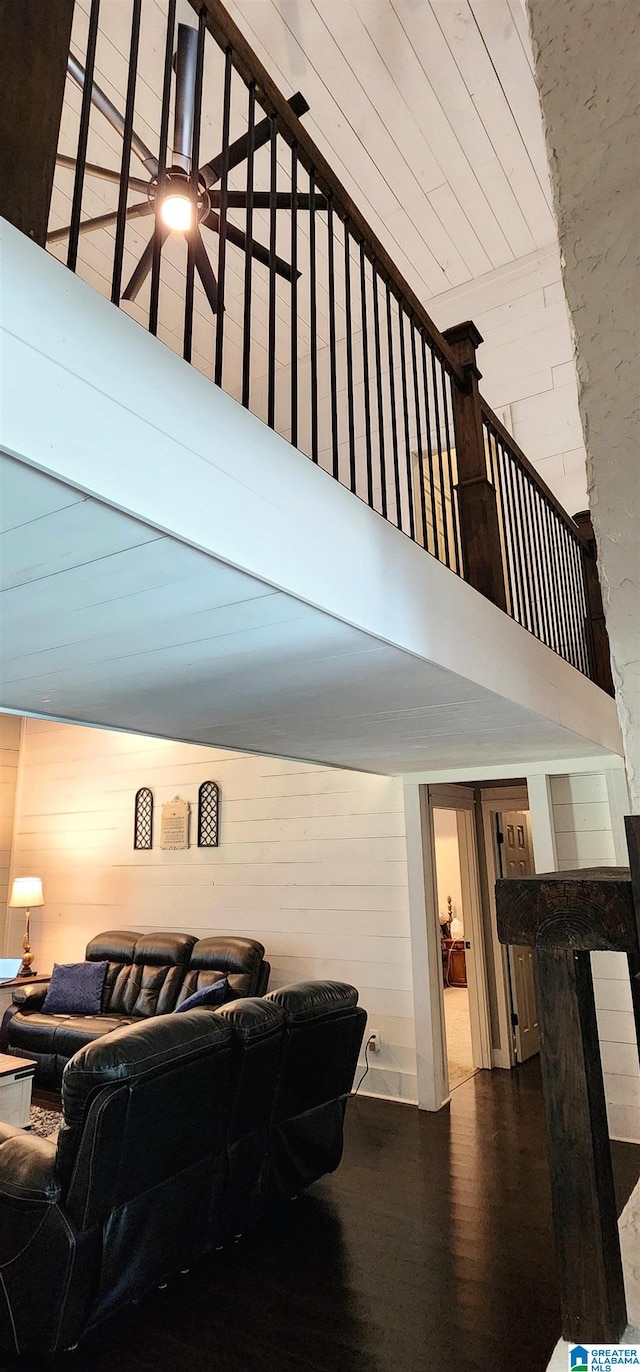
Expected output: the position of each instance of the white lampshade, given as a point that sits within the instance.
(26, 893)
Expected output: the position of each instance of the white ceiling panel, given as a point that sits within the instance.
(113, 624)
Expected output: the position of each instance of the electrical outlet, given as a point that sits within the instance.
(374, 1041)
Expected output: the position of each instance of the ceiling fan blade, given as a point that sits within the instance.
(103, 173)
(205, 271)
(185, 63)
(240, 240)
(237, 200)
(141, 271)
(101, 221)
(113, 115)
(212, 171)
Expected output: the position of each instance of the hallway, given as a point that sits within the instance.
(430, 1247)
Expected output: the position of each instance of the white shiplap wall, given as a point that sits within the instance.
(10, 726)
(584, 838)
(312, 861)
(526, 360)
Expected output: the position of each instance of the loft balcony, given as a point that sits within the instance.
(330, 546)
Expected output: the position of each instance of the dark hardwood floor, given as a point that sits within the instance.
(431, 1247)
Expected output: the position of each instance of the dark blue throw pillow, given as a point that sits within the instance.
(208, 996)
(75, 988)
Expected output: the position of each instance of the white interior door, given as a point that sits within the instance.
(461, 800)
(517, 861)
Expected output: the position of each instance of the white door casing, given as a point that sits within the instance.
(517, 860)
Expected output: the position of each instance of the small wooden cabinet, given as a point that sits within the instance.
(454, 962)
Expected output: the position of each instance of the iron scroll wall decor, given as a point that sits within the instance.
(208, 810)
(143, 819)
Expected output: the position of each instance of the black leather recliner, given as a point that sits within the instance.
(127, 1193)
(324, 1028)
(147, 975)
(176, 1131)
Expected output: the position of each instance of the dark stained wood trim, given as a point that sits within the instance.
(588, 910)
(221, 26)
(584, 1209)
(34, 43)
(477, 499)
(598, 638)
(510, 443)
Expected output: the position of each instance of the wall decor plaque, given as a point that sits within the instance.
(208, 802)
(174, 828)
(143, 818)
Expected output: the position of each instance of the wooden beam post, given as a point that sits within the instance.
(34, 44)
(477, 501)
(597, 636)
(565, 916)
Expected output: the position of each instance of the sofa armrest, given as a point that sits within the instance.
(27, 1167)
(29, 998)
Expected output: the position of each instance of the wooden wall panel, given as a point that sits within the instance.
(311, 861)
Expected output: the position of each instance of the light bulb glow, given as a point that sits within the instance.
(177, 212)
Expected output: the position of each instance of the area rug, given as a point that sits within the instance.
(44, 1123)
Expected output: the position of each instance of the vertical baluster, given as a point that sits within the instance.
(436, 407)
(125, 164)
(294, 295)
(578, 604)
(248, 260)
(349, 357)
(335, 451)
(195, 159)
(83, 135)
(573, 627)
(514, 535)
(493, 450)
(394, 418)
(159, 232)
(432, 484)
(455, 532)
(313, 316)
(542, 564)
(381, 438)
(273, 228)
(532, 492)
(222, 233)
(554, 578)
(416, 391)
(524, 543)
(365, 366)
(405, 418)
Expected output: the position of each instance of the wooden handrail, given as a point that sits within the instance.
(516, 451)
(248, 65)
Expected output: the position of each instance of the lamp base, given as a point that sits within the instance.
(25, 969)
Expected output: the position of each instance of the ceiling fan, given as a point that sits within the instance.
(170, 197)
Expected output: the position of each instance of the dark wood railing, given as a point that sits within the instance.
(282, 294)
(564, 917)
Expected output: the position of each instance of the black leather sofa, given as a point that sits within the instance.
(147, 975)
(176, 1132)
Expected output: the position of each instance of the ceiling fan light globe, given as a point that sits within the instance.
(177, 212)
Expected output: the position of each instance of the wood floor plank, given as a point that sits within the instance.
(431, 1246)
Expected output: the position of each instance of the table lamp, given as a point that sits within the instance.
(26, 894)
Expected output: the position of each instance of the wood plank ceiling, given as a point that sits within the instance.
(427, 110)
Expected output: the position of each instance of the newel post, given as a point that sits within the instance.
(597, 636)
(34, 44)
(564, 917)
(477, 502)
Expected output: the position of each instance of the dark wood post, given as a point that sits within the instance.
(597, 636)
(565, 916)
(34, 43)
(477, 503)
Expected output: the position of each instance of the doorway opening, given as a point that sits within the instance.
(451, 921)
(481, 1012)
